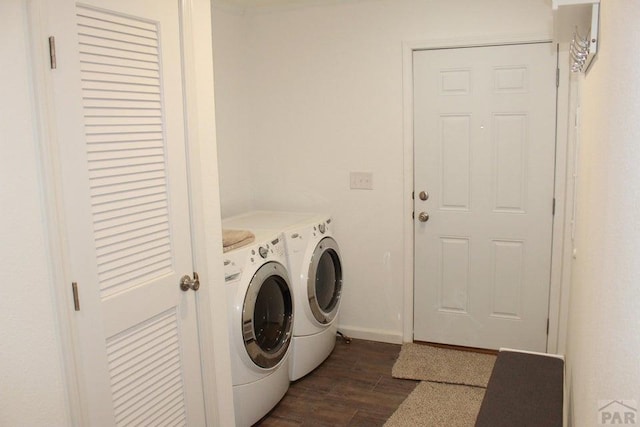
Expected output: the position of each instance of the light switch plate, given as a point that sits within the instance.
(361, 180)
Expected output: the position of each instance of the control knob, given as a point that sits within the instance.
(263, 251)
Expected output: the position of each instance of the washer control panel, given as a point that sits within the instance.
(264, 251)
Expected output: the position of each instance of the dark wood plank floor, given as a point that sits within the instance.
(353, 387)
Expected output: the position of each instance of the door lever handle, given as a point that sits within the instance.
(187, 282)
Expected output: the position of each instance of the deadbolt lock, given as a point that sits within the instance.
(423, 195)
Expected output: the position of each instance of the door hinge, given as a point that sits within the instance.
(413, 215)
(547, 326)
(76, 298)
(52, 52)
(553, 207)
(557, 77)
(413, 195)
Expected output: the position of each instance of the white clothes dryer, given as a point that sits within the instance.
(315, 266)
(260, 305)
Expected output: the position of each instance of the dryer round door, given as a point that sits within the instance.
(267, 315)
(324, 281)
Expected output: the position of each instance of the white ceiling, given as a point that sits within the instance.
(245, 4)
(256, 5)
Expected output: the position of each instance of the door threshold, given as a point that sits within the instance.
(459, 347)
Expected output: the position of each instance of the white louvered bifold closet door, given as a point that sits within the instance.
(144, 328)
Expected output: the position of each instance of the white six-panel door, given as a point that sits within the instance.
(484, 129)
(120, 116)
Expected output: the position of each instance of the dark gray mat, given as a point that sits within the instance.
(524, 390)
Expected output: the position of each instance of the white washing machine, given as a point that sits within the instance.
(261, 309)
(316, 272)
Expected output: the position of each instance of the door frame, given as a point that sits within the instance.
(206, 233)
(560, 257)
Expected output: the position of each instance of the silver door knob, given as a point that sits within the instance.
(423, 195)
(423, 217)
(187, 282)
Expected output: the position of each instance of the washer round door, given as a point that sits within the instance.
(267, 315)
(324, 281)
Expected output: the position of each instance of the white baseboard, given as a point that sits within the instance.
(392, 337)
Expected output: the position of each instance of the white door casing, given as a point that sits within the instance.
(484, 143)
(120, 119)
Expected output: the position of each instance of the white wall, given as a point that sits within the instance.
(31, 377)
(603, 337)
(323, 97)
(229, 49)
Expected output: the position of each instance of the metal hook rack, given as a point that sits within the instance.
(579, 51)
(583, 49)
